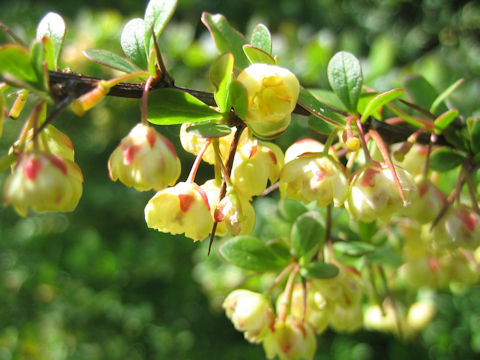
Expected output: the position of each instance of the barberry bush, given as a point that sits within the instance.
(323, 207)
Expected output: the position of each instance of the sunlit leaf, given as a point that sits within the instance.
(442, 122)
(221, 76)
(132, 41)
(238, 94)
(261, 38)
(345, 78)
(226, 38)
(157, 15)
(209, 130)
(53, 26)
(107, 58)
(172, 106)
(256, 55)
(378, 101)
(445, 94)
(15, 60)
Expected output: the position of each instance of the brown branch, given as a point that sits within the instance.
(64, 85)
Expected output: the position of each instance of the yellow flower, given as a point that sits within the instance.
(272, 93)
(183, 208)
(145, 160)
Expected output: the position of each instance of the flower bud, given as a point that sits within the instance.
(43, 182)
(236, 212)
(382, 318)
(426, 204)
(414, 160)
(317, 178)
(460, 226)
(91, 98)
(292, 339)
(183, 208)
(254, 164)
(272, 94)
(250, 312)
(19, 104)
(145, 160)
(374, 195)
(194, 144)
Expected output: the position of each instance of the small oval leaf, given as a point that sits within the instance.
(256, 55)
(291, 209)
(172, 106)
(445, 159)
(209, 130)
(345, 78)
(261, 38)
(307, 231)
(319, 270)
(251, 253)
(353, 248)
(53, 26)
(221, 73)
(226, 38)
(107, 58)
(157, 15)
(378, 101)
(442, 122)
(132, 41)
(238, 94)
(317, 108)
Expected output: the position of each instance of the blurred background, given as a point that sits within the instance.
(97, 284)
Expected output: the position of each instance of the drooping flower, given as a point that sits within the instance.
(183, 208)
(272, 94)
(250, 312)
(292, 339)
(145, 160)
(255, 163)
(43, 182)
(373, 193)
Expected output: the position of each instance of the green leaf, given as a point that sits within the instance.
(458, 138)
(226, 38)
(328, 97)
(132, 41)
(256, 55)
(209, 130)
(157, 15)
(49, 52)
(307, 231)
(320, 126)
(6, 161)
(445, 94)
(319, 270)
(291, 209)
(15, 60)
(261, 38)
(345, 78)
(442, 122)
(221, 74)
(107, 58)
(280, 248)
(385, 256)
(238, 94)
(474, 132)
(251, 253)
(172, 106)
(445, 159)
(314, 106)
(378, 101)
(353, 248)
(53, 26)
(37, 57)
(421, 92)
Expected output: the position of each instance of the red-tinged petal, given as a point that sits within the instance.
(468, 219)
(151, 137)
(186, 200)
(368, 176)
(203, 194)
(129, 153)
(31, 167)
(58, 162)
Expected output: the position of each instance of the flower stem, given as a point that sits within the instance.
(196, 164)
(148, 83)
(368, 158)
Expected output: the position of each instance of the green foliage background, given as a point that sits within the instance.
(97, 284)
